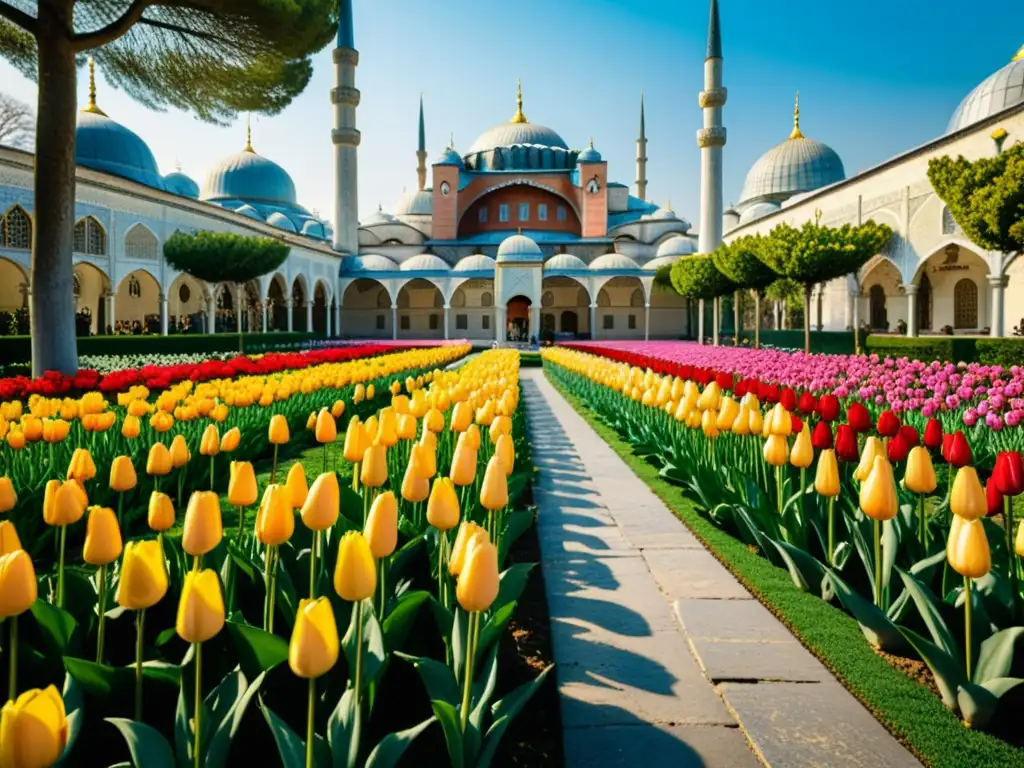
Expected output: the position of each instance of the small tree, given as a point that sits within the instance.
(696, 277)
(816, 254)
(223, 257)
(16, 122)
(739, 262)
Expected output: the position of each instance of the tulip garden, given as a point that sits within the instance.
(875, 483)
(177, 590)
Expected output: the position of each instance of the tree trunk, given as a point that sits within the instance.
(737, 318)
(807, 317)
(757, 319)
(54, 347)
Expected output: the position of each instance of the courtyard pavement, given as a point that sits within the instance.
(662, 656)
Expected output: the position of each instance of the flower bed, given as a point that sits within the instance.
(375, 552)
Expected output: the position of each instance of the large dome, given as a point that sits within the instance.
(796, 165)
(510, 134)
(105, 145)
(250, 177)
(1001, 90)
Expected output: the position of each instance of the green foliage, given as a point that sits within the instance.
(215, 58)
(788, 291)
(816, 254)
(217, 257)
(985, 196)
(824, 342)
(925, 348)
(1004, 352)
(696, 277)
(739, 262)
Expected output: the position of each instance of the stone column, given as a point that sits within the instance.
(849, 311)
(240, 310)
(998, 287)
(111, 298)
(534, 329)
(446, 331)
(337, 320)
(265, 315)
(776, 315)
(856, 311)
(211, 312)
(911, 291)
(394, 321)
(714, 320)
(309, 316)
(820, 296)
(784, 316)
(700, 321)
(499, 324)
(647, 321)
(163, 314)
(593, 322)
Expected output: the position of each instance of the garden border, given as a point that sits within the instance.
(906, 709)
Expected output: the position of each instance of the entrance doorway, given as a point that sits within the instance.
(517, 313)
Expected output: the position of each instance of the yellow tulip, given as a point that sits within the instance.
(63, 503)
(463, 469)
(776, 450)
(878, 498)
(161, 511)
(242, 487)
(727, 414)
(469, 534)
(872, 447)
(473, 436)
(311, 421)
(296, 485)
(161, 421)
(710, 399)
(9, 541)
(275, 521)
(8, 496)
(159, 460)
(434, 420)
(33, 729)
(781, 421)
(406, 427)
(102, 537)
(355, 575)
(231, 439)
(201, 607)
(209, 445)
(826, 478)
(502, 425)
(204, 527)
(353, 450)
(1018, 541)
(967, 548)
(756, 422)
(426, 459)
(381, 529)
(180, 454)
(415, 487)
(326, 430)
(18, 588)
(81, 468)
(443, 506)
(373, 472)
(494, 488)
(462, 417)
(143, 581)
(920, 474)
(370, 391)
(277, 431)
(315, 645)
(55, 430)
(323, 503)
(387, 428)
(505, 450)
(338, 409)
(478, 582)
(16, 439)
(219, 412)
(709, 424)
(802, 455)
(967, 498)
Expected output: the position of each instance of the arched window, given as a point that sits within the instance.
(458, 300)
(76, 284)
(140, 243)
(16, 229)
(965, 304)
(603, 299)
(184, 294)
(90, 237)
(924, 304)
(134, 287)
(486, 299)
(876, 300)
(949, 225)
(547, 300)
(570, 322)
(637, 299)
(383, 300)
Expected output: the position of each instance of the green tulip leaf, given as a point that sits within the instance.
(438, 678)
(516, 485)
(511, 584)
(517, 523)
(483, 690)
(374, 656)
(351, 505)
(460, 636)
(148, 747)
(290, 747)
(227, 705)
(444, 618)
(73, 703)
(874, 624)
(56, 626)
(491, 631)
(345, 731)
(448, 716)
(927, 607)
(399, 621)
(948, 672)
(101, 680)
(504, 712)
(806, 572)
(257, 651)
(392, 747)
(997, 654)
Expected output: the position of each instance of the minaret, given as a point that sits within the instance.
(641, 155)
(421, 152)
(711, 139)
(345, 136)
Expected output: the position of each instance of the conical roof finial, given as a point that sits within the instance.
(248, 135)
(796, 134)
(92, 90)
(1019, 56)
(451, 140)
(519, 117)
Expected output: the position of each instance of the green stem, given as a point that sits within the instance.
(878, 563)
(803, 487)
(101, 629)
(310, 718)
(324, 470)
(181, 488)
(1010, 552)
(967, 624)
(778, 488)
(120, 511)
(380, 615)
(467, 683)
(60, 566)
(156, 482)
(831, 529)
(359, 650)
(212, 459)
(313, 564)
(12, 675)
(140, 620)
(355, 477)
(196, 749)
(921, 534)
(273, 467)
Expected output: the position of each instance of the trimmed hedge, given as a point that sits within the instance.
(18, 349)
(824, 342)
(1005, 352)
(987, 351)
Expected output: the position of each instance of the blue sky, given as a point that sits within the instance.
(875, 77)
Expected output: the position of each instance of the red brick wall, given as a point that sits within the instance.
(470, 223)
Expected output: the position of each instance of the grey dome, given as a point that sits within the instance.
(477, 262)
(418, 203)
(1001, 90)
(613, 262)
(796, 165)
(677, 245)
(425, 262)
(279, 220)
(565, 262)
(757, 210)
(519, 248)
(509, 134)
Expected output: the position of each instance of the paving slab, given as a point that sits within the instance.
(725, 661)
(689, 573)
(732, 620)
(678, 746)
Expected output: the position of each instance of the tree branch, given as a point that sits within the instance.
(86, 40)
(19, 18)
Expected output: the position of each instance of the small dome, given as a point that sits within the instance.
(589, 155)
(757, 210)
(564, 262)
(107, 146)
(279, 220)
(677, 245)
(449, 157)
(248, 176)
(418, 203)
(426, 262)
(248, 210)
(371, 262)
(519, 248)
(378, 217)
(613, 262)
(1001, 90)
(178, 183)
(477, 262)
(664, 213)
(662, 261)
(314, 228)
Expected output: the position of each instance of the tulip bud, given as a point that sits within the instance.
(275, 520)
(462, 417)
(81, 468)
(102, 537)
(755, 421)
(18, 588)
(473, 437)
(373, 472)
(469, 533)
(897, 448)
(443, 506)
(888, 424)
(802, 455)
(959, 454)
(323, 502)
(709, 424)
(505, 450)
(826, 477)
(1018, 542)
(434, 420)
(967, 548)
(231, 439)
(381, 529)
(406, 427)
(776, 450)
(122, 474)
(502, 425)
(878, 498)
(920, 474)
(858, 418)
(204, 527)
(326, 429)
(1009, 473)
(910, 436)
(34, 728)
(277, 431)
(426, 459)
(296, 485)
(355, 575)
(180, 454)
(872, 447)
(967, 498)
(158, 462)
(315, 645)
(933, 434)
(781, 422)
(478, 582)
(494, 488)
(8, 496)
(63, 503)
(143, 581)
(201, 607)
(311, 421)
(209, 445)
(9, 541)
(161, 511)
(242, 488)
(993, 498)
(821, 436)
(463, 469)
(387, 427)
(338, 409)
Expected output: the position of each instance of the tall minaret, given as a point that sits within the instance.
(345, 136)
(421, 151)
(641, 155)
(711, 139)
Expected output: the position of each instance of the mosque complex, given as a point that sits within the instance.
(518, 235)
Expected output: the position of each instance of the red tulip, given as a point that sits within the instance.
(909, 434)
(724, 380)
(947, 443)
(806, 403)
(828, 407)
(993, 497)
(1009, 473)
(888, 424)
(798, 424)
(933, 434)
(788, 399)
(959, 450)
(858, 417)
(846, 443)
(821, 437)
(897, 448)
(740, 389)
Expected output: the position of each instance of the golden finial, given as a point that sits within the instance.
(1019, 56)
(92, 91)
(519, 117)
(591, 142)
(451, 140)
(795, 134)
(248, 135)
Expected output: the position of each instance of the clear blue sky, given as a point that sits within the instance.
(875, 77)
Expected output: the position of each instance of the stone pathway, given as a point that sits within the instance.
(662, 657)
